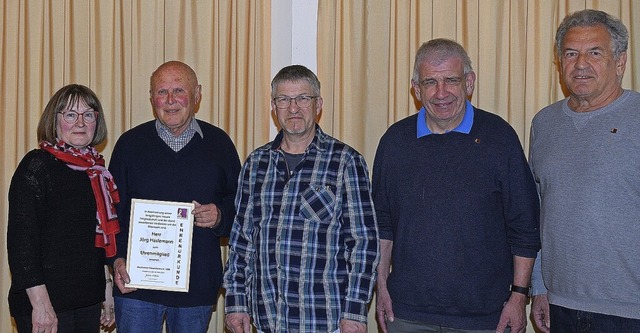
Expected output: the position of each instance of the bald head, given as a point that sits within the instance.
(175, 93)
(176, 67)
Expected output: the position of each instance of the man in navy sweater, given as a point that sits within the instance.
(175, 158)
(457, 209)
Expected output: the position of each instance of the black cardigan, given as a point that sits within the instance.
(51, 235)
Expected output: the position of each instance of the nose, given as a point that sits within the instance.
(581, 61)
(293, 106)
(80, 122)
(171, 99)
(441, 89)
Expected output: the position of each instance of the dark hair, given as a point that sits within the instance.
(438, 50)
(590, 18)
(295, 73)
(70, 95)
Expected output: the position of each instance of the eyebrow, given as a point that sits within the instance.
(591, 49)
(303, 94)
(444, 77)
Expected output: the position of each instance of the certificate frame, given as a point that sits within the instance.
(159, 248)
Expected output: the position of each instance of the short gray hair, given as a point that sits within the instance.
(590, 18)
(296, 73)
(438, 50)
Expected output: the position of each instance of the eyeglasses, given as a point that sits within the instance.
(303, 101)
(71, 117)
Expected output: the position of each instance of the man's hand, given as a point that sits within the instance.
(514, 314)
(540, 313)
(352, 326)
(120, 276)
(384, 311)
(206, 216)
(238, 322)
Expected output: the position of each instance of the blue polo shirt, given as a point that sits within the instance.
(464, 127)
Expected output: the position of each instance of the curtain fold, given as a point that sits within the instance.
(366, 51)
(113, 47)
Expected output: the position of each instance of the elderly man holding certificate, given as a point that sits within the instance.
(169, 168)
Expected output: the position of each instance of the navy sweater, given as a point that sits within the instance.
(205, 170)
(457, 207)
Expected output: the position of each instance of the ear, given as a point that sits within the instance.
(319, 103)
(621, 64)
(198, 93)
(416, 89)
(470, 83)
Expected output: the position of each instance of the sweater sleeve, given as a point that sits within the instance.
(537, 285)
(26, 195)
(228, 187)
(521, 203)
(117, 168)
(379, 193)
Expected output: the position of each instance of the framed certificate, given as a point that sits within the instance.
(159, 251)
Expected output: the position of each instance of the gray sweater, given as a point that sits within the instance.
(587, 167)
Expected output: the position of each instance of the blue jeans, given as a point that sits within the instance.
(135, 316)
(569, 321)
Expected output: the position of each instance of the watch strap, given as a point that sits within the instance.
(521, 290)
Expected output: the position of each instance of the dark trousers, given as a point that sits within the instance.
(81, 320)
(407, 326)
(564, 320)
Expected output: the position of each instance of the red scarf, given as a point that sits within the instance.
(104, 189)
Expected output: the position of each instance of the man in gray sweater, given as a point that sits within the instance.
(585, 156)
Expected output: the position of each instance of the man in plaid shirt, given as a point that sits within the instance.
(304, 244)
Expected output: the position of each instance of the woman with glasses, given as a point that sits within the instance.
(62, 221)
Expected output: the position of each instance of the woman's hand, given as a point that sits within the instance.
(108, 316)
(43, 316)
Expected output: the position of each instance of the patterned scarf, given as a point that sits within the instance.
(104, 189)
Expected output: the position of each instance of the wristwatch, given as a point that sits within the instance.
(521, 290)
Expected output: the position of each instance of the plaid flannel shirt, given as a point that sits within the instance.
(304, 248)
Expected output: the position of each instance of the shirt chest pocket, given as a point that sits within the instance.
(318, 203)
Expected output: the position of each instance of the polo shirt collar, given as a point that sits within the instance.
(464, 127)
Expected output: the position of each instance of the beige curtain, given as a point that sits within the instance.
(366, 50)
(112, 47)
